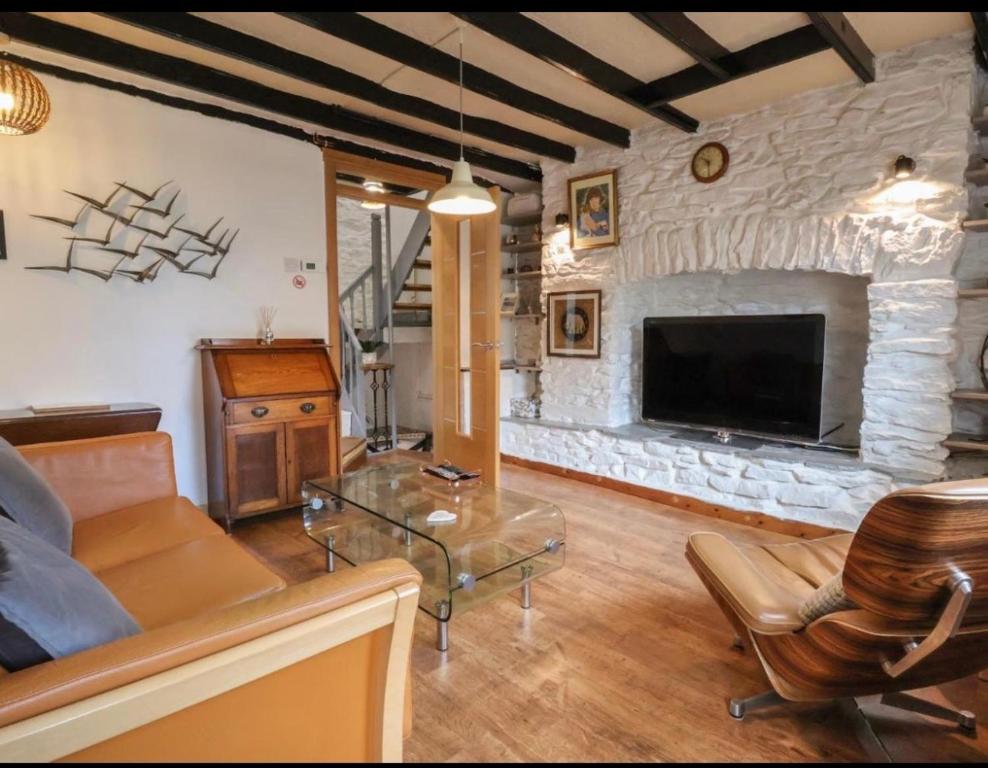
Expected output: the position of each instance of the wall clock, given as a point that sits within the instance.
(710, 162)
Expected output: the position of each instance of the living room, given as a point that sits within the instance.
(544, 386)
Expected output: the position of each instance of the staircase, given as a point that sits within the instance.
(368, 309)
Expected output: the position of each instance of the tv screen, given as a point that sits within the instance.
(756, 373)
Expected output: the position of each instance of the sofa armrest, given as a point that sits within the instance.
(314, 672)
(101, 474)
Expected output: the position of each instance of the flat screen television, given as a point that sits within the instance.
(760, 374)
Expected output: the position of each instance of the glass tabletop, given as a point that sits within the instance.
(498, 541)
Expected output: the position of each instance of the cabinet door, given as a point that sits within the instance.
(256, 466)
(310, 445)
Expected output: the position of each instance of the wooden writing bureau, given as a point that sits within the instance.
(272, 422)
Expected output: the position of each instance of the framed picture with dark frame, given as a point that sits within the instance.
(573, 324)
(593, 210)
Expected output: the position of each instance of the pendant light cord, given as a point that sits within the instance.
(461, 93)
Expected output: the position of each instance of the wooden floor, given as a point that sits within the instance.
(622, 657)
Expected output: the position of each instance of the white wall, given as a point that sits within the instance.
(73, 338)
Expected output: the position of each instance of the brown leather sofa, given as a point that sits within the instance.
(232, 664)
(916, 577)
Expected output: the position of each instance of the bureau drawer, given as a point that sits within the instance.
(281, 410)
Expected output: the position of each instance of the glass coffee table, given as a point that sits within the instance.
(499, 541)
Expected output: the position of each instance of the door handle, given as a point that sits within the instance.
(488, 345)
(307, 407)
(259, 411)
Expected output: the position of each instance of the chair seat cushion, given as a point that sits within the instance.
(766, 584)
(28, 500)
(52, 606)
(188, 580)
(112, 539)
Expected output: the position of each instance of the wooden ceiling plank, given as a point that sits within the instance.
(83, 44)
(415, 54)
(689, 37)
(416, 171)
(845, 40)
(528, 35)
(208, 35)
(778, 50)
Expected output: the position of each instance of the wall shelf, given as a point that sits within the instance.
(975, 225)
(523, 220)
(522, 247)
(963, 441)
(978, 177)
(970, 394)
(520, 275)
(523, 317)
(972, 293)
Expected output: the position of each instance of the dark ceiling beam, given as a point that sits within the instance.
(773, 52)
(220, 39)
(231, 115)
(980, 19)
(845, 40)
(82, 44)
(413, 53)
(528, 35)
(689, 37)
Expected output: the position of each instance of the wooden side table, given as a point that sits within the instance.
(24, 426)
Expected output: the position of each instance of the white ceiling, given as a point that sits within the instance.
(615, 37)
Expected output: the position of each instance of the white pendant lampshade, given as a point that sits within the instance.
(461, 197)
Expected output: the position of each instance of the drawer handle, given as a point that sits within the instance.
(307, 407)
(259, 411)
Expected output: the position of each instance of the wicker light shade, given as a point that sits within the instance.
(24, 103)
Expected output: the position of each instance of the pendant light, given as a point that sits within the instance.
(461, 197)
(24, 103)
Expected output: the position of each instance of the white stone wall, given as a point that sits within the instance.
(796, 484)
(808, 188)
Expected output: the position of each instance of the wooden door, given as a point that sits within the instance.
(466, 263)
(310, 446)
(256, 466)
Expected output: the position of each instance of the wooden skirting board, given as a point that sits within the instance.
(679, 501)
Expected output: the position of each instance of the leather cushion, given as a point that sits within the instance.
(765, 584)
(28, 499)
(53, 600)
(132, 533)
(188, 580)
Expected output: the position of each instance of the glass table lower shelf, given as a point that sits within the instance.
(499, 541)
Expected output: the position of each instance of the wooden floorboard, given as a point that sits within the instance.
(622, 657)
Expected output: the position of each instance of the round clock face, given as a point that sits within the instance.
(710, 162)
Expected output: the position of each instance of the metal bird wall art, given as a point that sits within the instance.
(133, 233)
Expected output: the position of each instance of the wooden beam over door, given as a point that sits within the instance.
(83, 44)
(528, 35)
(215, 37)
(689, 37)
(413, 53)
(789, 46)
(844, 39)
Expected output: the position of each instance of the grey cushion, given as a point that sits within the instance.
(829, 597)
(27, 499)
(53, 600)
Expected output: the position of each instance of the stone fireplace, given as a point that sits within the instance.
(806, 220)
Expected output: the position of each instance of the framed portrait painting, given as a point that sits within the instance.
(593, 210)
(574, 324)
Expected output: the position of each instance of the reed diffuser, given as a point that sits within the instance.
(267, 314)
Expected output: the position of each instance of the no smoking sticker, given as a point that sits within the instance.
(299, 281)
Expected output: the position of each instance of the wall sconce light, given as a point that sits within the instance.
(374, 187)
(24, 103)
(904, 167)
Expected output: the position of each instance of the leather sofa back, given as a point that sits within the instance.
(102, 474)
